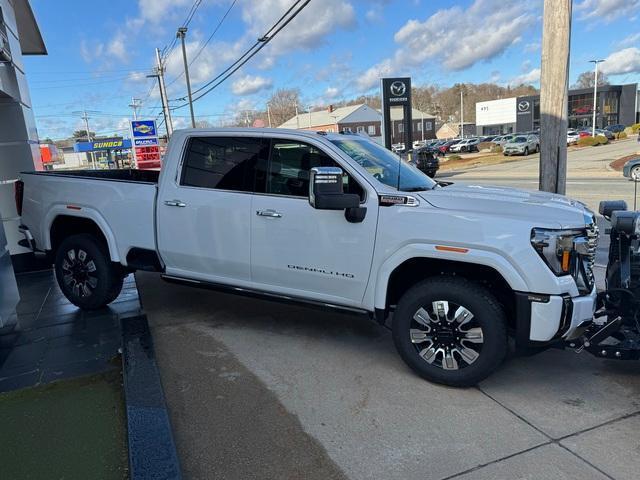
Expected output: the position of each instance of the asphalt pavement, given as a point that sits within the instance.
(257, 389)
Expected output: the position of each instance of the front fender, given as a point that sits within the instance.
(84, 212)
(509, 272)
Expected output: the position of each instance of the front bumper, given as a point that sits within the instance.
(546, 319)
(513, 151)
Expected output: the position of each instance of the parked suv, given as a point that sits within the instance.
(333, 221)
(465, 145)
(521, 145)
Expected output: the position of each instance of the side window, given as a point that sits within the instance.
(289, 166)
(224, 163)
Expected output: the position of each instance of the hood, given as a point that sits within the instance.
(541, 208)
(514, 144)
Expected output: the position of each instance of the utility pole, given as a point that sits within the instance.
(159, 74)
(461, 111)
(269, 113)
(595, 96)
(554, 85)
(422, 123)
(135, 105)
(182, 32)
(297, 117)
(85, 117)
(309, 110)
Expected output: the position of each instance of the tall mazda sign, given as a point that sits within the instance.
(396, 92)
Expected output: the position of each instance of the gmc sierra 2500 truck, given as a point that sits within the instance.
(333, 220)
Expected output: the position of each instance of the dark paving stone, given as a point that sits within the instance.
(55, 339)
(77, 369)
(17, 382)
(24, 357)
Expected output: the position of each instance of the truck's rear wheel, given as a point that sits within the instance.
(450, 330)
(85, 273)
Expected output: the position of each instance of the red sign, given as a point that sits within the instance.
(148, 157)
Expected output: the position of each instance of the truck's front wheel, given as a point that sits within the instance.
(450, 330)
(85, 273)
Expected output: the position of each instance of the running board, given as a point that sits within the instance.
(262, 295)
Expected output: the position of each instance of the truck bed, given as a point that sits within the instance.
(123, 175)
(120, 202)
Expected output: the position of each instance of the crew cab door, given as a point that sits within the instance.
(298, 250)
(204, 213)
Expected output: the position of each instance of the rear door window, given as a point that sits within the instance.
(223, 163)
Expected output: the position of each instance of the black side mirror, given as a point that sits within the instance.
(326, 190)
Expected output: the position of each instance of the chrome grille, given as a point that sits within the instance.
(590, 260)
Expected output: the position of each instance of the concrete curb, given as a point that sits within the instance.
(152, 451)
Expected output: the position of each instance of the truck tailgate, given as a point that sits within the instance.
(123, 209)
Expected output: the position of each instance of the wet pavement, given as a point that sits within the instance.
(55, 339)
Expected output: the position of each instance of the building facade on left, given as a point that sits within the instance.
(19, 149)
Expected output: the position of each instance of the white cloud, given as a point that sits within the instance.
(623, 61)
(249, 84)
(532, 76)
(607, 10)
(331, 92)
(155, 11)
(306, 31)
(116, 47)
(137, 77)
(456, 38)
(90, 53)
(629, 41)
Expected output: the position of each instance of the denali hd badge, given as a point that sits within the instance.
(321, 270)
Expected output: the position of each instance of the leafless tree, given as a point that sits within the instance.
(585, 80)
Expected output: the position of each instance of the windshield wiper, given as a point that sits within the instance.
(416, 189)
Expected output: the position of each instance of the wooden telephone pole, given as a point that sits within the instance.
(554, 85)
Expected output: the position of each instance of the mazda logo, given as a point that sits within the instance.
(523, 106)
(398, 88)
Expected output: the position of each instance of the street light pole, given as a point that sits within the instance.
(269, 113)
(595, 96)
(309, 110)
(461, 111)
(297, 117)
(182, 31)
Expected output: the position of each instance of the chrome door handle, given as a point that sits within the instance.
(269, 213)
(174, 203)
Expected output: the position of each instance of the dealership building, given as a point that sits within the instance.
(615, 104)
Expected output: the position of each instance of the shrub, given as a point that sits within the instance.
(635, 128)
(620, 135)
(485, 146)
(602, 140)
(588, 141)
(496, 149)
(455, 157)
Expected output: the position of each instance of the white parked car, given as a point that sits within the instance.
(465, 145)
(572, 136)
(521, 145)
(329, 220)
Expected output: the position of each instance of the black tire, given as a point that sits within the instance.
(526, 151)
(87, 277)
(489, 343)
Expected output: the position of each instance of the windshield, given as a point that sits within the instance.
(384, 165)
(519, 140)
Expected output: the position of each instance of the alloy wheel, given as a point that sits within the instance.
(446, 335)
(79, 270)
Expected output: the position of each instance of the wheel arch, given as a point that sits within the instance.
(64, 224)
(398, 274)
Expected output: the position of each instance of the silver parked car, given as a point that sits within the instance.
(522, 145)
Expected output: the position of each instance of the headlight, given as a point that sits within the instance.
(555, 247)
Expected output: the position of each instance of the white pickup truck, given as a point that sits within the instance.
(332, 220)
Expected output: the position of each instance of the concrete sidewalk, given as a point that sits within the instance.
(262, 390)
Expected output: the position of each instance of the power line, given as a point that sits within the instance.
(215, 30)
(261, 43)
(192, 11)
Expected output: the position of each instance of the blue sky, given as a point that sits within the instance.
(100, 52)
